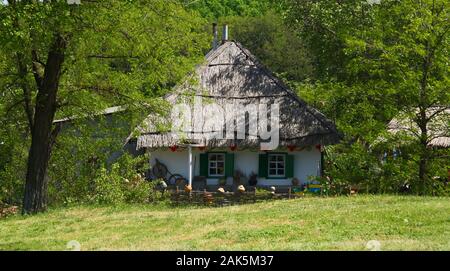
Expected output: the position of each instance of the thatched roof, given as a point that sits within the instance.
(438, 128)
(230, 74)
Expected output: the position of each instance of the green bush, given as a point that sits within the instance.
(136, 190)
(12, 175)
(378, 170)
(108, 187)
(125, 182)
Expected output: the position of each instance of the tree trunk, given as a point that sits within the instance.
(422, 168)
(423, 120)
(43, 134)
(423, 159)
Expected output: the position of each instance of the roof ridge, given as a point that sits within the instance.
(214, 53)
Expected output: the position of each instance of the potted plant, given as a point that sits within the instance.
(295, 182)
(237, 177)
(222, 181)
(253, 180)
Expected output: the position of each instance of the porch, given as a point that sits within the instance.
(214, 168)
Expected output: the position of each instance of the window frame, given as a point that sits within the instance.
(276, 176)
(223, 154)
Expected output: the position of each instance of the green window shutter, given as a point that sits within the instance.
(204, 164)
(263, 165)
(229, 164)
(289, 166)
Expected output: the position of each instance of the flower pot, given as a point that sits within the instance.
(222, 181)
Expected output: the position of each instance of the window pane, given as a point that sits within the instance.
(280, 158)
(280, 172)
(216, 164)
(272, 158)
(280, 165)
(272, 172)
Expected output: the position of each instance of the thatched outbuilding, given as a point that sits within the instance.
(438, 128)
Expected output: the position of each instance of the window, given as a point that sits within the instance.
(277, 164)
(216, 164)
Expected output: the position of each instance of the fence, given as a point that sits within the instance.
(218, 199)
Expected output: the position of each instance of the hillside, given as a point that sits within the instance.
(398, 223)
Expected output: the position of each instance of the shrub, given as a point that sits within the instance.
(125, 182)
(11, 183)
(136, 190)
(261, 191)
(158, 193)
(13, 165)
(108, 187)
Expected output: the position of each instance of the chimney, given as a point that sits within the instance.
(225, 33)
(215, 41)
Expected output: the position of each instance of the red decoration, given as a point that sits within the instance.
(233, 147)
(173, 148)
(319, 147)
(291, 147)
(202, 148)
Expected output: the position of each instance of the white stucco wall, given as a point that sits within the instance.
(306, 163)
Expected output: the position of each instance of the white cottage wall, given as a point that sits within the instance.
(177, 162)
(306, 163)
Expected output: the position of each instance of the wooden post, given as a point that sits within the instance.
(190, 165)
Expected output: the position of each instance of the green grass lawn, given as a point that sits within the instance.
(342, 223)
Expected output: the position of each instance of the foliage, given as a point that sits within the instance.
(12, 174)
(108, 187)
(123, 183)
(222, 181)
(276, 45)
(214, 9)
(358, 63)
(59, 60)
(83, 147)
(259, 191)
(374, 61)
(115, 55)
(326, 25)
(90, 161)
(136, 188)
(160, 195)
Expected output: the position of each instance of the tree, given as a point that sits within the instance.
(385, 58)
(259, 26)
(276, 45)
(215, 9)
(62, 60)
